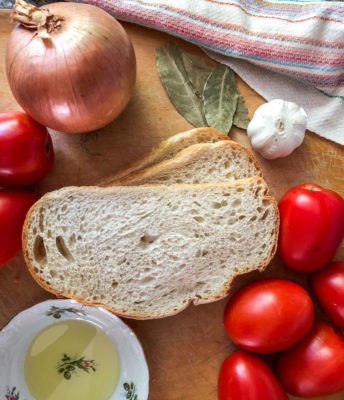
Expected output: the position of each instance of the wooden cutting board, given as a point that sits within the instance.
(184, 352)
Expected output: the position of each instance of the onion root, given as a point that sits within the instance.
(35, 18)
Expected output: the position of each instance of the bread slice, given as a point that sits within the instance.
(201, 163)
(148, 251)
(167, 149)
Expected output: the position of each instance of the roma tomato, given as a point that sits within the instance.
(14, 204)
(26, 150)
(311, 228)
(268, 316)
(314, 366)
(245, 376)
(328, 285)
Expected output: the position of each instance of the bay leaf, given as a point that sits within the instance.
(220, 98)
(197, 71)
(174, 78)
(241, 118)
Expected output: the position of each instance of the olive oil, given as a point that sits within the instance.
(71, 360)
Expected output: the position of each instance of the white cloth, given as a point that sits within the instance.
(325, 115)
(278, 47)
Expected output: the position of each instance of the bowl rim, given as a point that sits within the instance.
(134, 372)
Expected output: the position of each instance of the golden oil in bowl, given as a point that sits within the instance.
(71, 360)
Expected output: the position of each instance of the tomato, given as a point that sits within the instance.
(14, 204)
(315, 365)
(268, 316)
(311, 228)
(328, 285)
(26, 150)
(245, 376)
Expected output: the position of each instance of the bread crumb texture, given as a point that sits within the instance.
(148, 251)
(201, 163)
(167, 149)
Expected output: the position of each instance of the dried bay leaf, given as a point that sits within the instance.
(197, 71)
(174, 78)
(184, 77)
(241, 117)
(220, 98)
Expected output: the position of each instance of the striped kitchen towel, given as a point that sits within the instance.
(300, 41)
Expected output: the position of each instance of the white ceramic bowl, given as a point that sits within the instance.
(16, 337)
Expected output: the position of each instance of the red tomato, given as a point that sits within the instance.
(26, 150)
(315, 365)
(245, 376)
(269, 315)
(328, 285)
(14, 204)
(312, 226)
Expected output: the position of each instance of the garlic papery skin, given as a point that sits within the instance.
(277, 128)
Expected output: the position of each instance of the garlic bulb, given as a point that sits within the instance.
(277, 128)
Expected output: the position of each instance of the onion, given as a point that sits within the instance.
(71, 66)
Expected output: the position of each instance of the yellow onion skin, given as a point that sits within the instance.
(79, 79)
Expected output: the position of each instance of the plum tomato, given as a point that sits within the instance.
(14, 204)
(245, 376)
(328, 286)
(269, 316)
(314, 366)
(26, 150)
(311, 226)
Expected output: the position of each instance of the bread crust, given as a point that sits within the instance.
(161, 150)
(69, 190)
(183, 159)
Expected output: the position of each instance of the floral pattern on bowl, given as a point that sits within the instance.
(130, 391)
(68, 365)
(134, 376)
(12, 394)
(57, 312)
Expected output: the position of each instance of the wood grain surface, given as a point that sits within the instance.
(184, 352)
